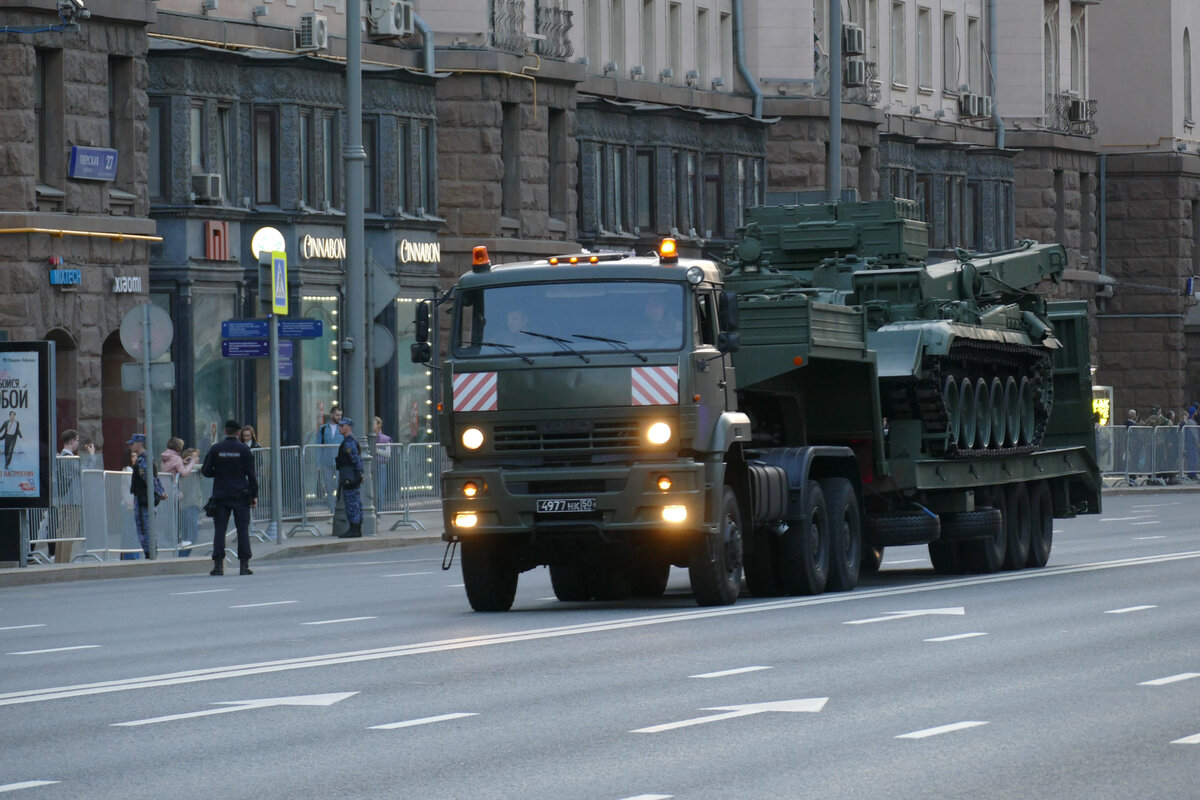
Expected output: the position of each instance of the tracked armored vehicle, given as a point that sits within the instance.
(783, 413)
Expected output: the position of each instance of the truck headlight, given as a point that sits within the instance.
(472, 438)
(659, 433)
(674, 513)
(465, 519)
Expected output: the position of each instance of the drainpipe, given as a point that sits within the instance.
(739, 51)
(427, 38)
(833, 183)
(991, 48)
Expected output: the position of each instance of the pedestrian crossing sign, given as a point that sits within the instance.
(279, 283)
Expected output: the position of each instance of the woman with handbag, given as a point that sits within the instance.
(350, 469)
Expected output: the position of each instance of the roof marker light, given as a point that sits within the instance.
(668, 252)
(480, 262)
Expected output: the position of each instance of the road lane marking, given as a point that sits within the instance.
(336, 621)
(957, 726)
(412, 723)
(649, 797)
(538, 634)
(201, 591)
(406, 574)
(726, 672)
(1140, 517)
(955, 637)
(229, 706)
(22, 627)
(904, 561)
(1147, 538)
(12, 787)
(924, 612)
(1188, 740)
(809, 705)
(1183, 676)
(261, 605)
(55, 650)
(1131, 608)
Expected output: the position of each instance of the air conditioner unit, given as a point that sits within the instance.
(313, 33)
(391, 17)
(854, 40)
(968, 104)
(855, 73)
(1077, 111)
(206, 186)
(986, 106)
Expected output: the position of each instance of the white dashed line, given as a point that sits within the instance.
(12, 787)
(955, 637)
(55, 650)
(1131, 608)
(957, 726)
(391, 726)
(336, 621)
(724, 673)
(22, 627)
(201, 591)
(406, 574)
(1183, 676)
(262, 605)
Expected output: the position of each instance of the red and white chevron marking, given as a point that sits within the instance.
(475, 391)
(655, 386)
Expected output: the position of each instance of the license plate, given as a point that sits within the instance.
(577, 505)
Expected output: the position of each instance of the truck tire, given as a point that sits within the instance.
(569, 582)
(948, 553)
(984, 555)
(906, 527)
(1041, 515)
(804, 547)
(1017, 526)
(845, 534)
(762, 560)
(489, 573)
(715, 567)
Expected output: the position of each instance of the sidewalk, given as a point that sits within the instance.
(198, 563)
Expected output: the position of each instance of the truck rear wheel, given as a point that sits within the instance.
(715, 567)
(1041, 514)
(569, 582)
(986, 554)
(804, 548)
(489, 573)
(845, 534)
(1017, 525)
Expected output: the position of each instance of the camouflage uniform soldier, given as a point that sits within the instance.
(350, 470)
(1156, 418)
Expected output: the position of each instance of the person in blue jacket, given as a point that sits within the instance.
(350, 470)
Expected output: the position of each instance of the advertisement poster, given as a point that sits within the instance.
(25, 423)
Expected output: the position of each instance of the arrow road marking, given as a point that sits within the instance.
(1183, 676)
(12, 787)
(1188, 740)
(412, 723)
(812, 705)
(245, 705)
(924, 612)
(957, 726)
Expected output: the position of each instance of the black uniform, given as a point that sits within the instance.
(231, 466)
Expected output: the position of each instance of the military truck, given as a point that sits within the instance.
(782, 414)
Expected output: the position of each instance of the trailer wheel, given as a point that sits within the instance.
(489, 573)
(762, 559)
(569, 582)
(1017, 526)
(987, 554)
(1041, 514)
(715, 566)
(872, 560)
(845, 534)
(804, 548)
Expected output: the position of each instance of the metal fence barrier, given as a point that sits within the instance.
(1140, 455)
(424, 463)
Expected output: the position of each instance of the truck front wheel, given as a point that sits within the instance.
(715, 567)
(489, 573)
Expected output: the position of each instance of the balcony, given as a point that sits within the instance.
(1068, 113)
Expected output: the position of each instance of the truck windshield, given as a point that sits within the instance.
(570, 318)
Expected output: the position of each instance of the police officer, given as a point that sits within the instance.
(350, 470)
(235, 489)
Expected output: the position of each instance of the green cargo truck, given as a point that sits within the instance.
(783, 414)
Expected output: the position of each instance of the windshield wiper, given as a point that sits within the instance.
(508, 348)
(564, 343)
(619, 344)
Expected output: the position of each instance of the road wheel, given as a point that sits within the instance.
(490, 574)
(650, 578)
(762, 561)
(569, 582)
(715, 567)
(1017, 525)
(845, 534)
(946, 557)
(986, 554)
(872, 559)
(1041, 515)
(804, 548)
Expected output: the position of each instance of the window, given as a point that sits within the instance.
(714, 217)
(702, 52)
(48, 108)
(647, 194)
(215, 388)
(370, 167)
(224, 139)
(975, 57)
(616, 20)
(618, 189)
(426, 180)
(899, 68)
(558, 177)
(510, 154)
(592, 15)
(330, 185)
(685, 198)
(318, 358)
(1078, 68)
(924, 49)
(972, 217)
(196, 136)
(403, 159)
(675, 31)
(304, 175)
(120, 117)
(649, 63)
(600, 178)
(924, 197)
(266, 156)
(157, 158)
(1050, 54)
(950, 81)
(749, 178)
(1187, 77)
(725, 49)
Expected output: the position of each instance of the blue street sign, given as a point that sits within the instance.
(257, 329)
(254, 348)
(300, 329)
(92, 163)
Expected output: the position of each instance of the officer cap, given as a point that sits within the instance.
(137, 437)
(232, 426)
(346, 421)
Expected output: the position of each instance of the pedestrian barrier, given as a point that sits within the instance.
(424, 463)
(58, 527)
(1140, 455)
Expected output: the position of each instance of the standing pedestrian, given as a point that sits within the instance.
(141, 477)
(88, 459)
(383, 457)
(235, 490)
(177, 462)
(249, 437)
(326, 456)
(350, 476)
(10, 431)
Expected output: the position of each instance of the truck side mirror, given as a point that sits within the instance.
(727, 311)
(422, 322)
(729, 342)
(421, 352)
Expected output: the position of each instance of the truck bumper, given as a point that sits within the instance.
(612, 503)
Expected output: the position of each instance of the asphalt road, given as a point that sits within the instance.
(366, 675)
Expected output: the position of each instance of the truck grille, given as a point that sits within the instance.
(550, 436)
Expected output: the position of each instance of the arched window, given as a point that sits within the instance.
(1187, 75)
(1050, 68)
(1078, 72)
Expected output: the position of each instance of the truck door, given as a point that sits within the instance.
(714, 372)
